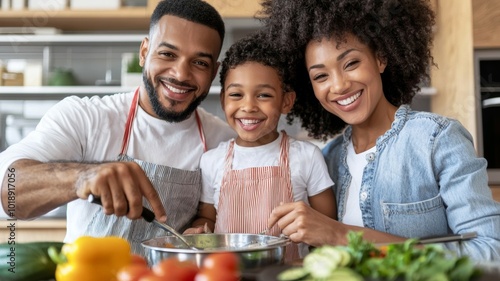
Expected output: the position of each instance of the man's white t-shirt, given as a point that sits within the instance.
(307, 167)
(91, 130)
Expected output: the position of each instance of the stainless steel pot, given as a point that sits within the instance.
(252, 249)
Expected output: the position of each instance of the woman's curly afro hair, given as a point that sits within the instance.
(398, 31)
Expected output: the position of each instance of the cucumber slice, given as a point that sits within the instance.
(345, 274)
(346, 257)
(294, 273)
(319, 265)
(332, 252)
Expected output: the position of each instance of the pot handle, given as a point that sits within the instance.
(281, 240)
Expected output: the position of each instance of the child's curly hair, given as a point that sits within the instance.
(398, 31)
(256, 48)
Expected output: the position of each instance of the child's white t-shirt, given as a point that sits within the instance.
(307, 167)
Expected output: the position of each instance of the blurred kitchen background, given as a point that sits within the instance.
(50, 49)
(43, 64)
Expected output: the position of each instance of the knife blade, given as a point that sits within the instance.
(448, 238)
(438, 239)
(149, 216)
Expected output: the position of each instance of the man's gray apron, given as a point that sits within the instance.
(179, 191)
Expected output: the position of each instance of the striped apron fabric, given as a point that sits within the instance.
(179, 191)
(248, 196)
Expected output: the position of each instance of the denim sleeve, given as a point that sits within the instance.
(463, 182)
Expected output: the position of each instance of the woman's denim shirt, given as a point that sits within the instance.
(423, 180)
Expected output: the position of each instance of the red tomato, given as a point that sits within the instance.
(222, 261)
(132, 272)
(216, 275)
(176, 270)
(138, 259)
(152, 277)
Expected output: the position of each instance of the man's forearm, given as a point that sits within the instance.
(31, 188)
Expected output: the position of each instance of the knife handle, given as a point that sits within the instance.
(147, 214)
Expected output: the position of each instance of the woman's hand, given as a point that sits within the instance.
(302, 223)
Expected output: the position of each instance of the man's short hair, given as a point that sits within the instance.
(192, 10)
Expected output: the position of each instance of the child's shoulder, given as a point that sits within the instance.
(221, 147)
(303, 145)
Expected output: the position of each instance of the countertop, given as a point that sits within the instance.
(50, 229)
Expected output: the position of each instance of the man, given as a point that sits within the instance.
(132, 149)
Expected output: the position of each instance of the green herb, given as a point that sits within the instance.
(404, 261)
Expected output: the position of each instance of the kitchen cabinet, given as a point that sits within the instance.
(124, 19)
(90, 57)
(461, 27)
(453, 52)
(496, 192)
(486, 23)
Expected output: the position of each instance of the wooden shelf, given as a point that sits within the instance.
(124, 19)
(65, 39)
(127, 18)
(236, 8)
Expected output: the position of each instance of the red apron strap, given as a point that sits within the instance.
(130, 119)
(200, 130)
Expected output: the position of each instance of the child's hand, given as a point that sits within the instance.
(198, 229)
(194, 230)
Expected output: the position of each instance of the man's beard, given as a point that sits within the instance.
(164, 113)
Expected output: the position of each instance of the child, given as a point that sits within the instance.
(399, 173)
(244, 179)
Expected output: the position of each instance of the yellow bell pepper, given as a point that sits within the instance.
(84, 272)
(92, 259)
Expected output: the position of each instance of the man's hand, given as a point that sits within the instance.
(120, 186)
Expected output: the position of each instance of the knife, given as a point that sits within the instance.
(447, 238)
(149, 216)
(438, 239)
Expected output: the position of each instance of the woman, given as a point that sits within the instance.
(399, 173)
